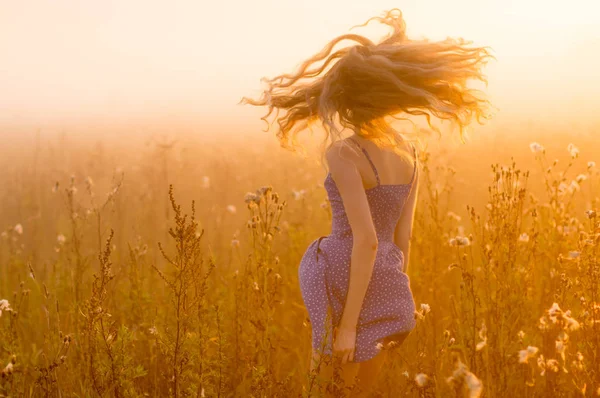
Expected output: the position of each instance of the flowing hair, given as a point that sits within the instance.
(367, 82)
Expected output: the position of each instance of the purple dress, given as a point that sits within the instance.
(324, 273)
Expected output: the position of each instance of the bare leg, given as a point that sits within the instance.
(367, 375)
(325, 370)
(369, 370)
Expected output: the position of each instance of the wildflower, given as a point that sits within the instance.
(256, 286)
(590, 213)
(574, 254)
(251, 197)
(425, 308)
(454, 216)
(554, 312)
(573, 150)
(205, 182)
(4, 306)
(562, 188)
(421, 379)
(19, 229)
(571, 324)
(231, 209)
(574, 187)
(89, 182)
(591, 164)
(265, 191)
(459, 241)
(552, 364)
(536, 148)
(405, 374)
(483, 335)
(581, 177)
(463, 377)
(379, 346)
(299, 194)
(578, 362)
(561, 346)
(521, 334)
(61, 239)
(524, 237)
(153, 330)
(527, 353)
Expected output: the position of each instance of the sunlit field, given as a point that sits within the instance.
(166, 265)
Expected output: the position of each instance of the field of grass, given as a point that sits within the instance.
(113, 284)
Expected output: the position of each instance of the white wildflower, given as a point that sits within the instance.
(591, 164)
(425, 308)
(536, 148)
(89, 182)
(574, 187)
(526, 354)
(405, 374)
(19, 229)
(573, 150)
(524, 237)
(421, 379)
(4, 306)
(562, 188)
(574, 254)
(581, 177)
(463, 377)
(60, 239)
(231, 209)
(483, 337)
(521, 334)
(459, 241)
(299, 194)
(454, 216)
(379, 346)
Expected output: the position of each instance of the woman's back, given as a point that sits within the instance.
(386, 197)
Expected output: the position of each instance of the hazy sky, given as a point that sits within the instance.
(191, 61)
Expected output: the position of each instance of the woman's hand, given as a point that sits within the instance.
(344, 344)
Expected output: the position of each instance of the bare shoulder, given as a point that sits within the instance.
(340, 155)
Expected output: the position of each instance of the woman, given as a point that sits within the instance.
(353, 281)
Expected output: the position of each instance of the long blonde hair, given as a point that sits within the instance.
(369, 82)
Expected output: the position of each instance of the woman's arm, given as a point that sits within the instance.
(342, 165)
(403, 231)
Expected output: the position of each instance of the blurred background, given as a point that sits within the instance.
(87, 66)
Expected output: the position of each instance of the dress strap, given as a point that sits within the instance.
(369, 159)
(415, 169)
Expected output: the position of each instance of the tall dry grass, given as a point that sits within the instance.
(169, 268)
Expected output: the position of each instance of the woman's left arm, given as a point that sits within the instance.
(342, 165)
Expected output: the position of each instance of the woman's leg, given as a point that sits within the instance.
(366, 379)
(330, 378)
(368, 372)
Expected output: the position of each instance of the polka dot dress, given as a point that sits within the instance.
(324, 273)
